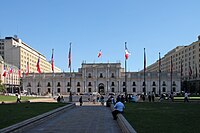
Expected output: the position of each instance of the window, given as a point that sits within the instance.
(134, 90)
(113, 89)
(154, 84)
(78, 90)
(112, 76)
(89, 84)
(68, 83)
(113, 84)
(164, 84)
(101, 75)
(89, 90)
(174, 84)
(29, 84)
(68, 89)
(163, 89)
(78, 83)
(174, 89)
(89, 75)
(58, 90)
(49, 90)
(38, 90)
(124, 89)
(58, 84)
(134, 84)
(124, 83)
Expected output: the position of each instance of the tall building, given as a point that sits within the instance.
(14, 51)
(186, 61)
(99, 77)
(10, 77)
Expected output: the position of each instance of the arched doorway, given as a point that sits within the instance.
(101, 89)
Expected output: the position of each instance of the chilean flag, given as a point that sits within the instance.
(38, 65)
(4, 72)
(11, 70)
(99, 54)
(127, 53)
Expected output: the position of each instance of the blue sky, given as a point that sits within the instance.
(91, 25)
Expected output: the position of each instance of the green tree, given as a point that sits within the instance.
(2, 87)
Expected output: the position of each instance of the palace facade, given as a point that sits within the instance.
(102, 78)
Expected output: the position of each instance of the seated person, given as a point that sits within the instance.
(118, 108)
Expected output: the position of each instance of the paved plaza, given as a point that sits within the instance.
(89, 118)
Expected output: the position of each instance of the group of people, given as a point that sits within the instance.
(60, 98)
(151, 97)
(98, 99)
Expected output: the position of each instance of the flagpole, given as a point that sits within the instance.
(144, 72)
(190, 74)
(12, 80)
(171, 75)
(181, 73)
(70, 69)
(52, 76)
(125, 77)
(159, 73)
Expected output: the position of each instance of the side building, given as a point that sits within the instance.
(14, 51)
(99, 77)
(10, 77)
(15, 57)
(186, 61)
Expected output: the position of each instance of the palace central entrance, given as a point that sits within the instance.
(101, 89)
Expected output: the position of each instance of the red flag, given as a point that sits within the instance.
(99, 54)
(69, 57)
(144, 61)
(38, 65)
(4, 72)
(11, 70)
(127, 53)
(52, 61)
(27, 68)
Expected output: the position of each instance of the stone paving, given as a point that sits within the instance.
(89, 118)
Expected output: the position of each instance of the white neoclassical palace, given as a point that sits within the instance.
(102, 78)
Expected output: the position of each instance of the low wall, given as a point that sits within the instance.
(123, 123)
(35, 120)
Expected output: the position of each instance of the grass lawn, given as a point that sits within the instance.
(164, 117)
(14, 98)
(14, 113)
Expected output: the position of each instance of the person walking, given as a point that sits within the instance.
(81, 101)
(186, 97)
(118, 108)
(18, 98)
